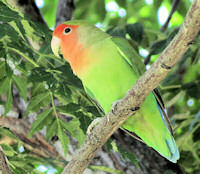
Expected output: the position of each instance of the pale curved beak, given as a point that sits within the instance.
(55, 46)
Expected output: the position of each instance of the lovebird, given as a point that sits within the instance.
(108, 67)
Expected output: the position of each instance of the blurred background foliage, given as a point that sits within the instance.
(47, 78)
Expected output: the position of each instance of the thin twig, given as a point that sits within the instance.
(137, 94)
(147, 59)
(175, 4)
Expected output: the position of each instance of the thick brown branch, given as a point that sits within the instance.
(137, 94)
(65, 11)
(28, 7)
(4, 167)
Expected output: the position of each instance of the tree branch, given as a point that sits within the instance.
(174, 7)
(65, 11)
(137, 94)
(37, 143)
(4, 167)
(28, 7)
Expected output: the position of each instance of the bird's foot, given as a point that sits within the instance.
(93, 124)
(114, 106)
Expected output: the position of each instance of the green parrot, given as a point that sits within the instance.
(108, 67)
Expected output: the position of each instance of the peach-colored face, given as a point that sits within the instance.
(65, 38)
(65, 41)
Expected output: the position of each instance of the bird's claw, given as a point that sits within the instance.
(93, 124)
(113, 106)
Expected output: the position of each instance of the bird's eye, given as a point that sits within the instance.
(67, 30)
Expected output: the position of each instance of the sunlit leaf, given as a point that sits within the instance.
(43, 119)
(9, 101)
(21, 85)
(63, 138)
(52, 129)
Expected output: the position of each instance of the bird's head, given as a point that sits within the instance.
(64, 35)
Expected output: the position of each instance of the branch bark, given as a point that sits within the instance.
(65, 11)
(36, 144)
(4, 167)
(28, 7)
(137, 94)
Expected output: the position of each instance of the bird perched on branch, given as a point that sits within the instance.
(108, 67)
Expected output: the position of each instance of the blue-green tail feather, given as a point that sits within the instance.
(173, 149)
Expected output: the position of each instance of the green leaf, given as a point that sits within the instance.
(7, 15)
(38, 101)
(2, 69)
(4, 85)
(52, 129)
(21, 85)
(39, 74)
(66, 75)
(9, 101)
(135, 31)
(7, 30)
(18, 163)
(68, 109)
(73, 127)
(8, 150)
(125, 154)
(118, 31)
(17, 25)
(37, 88)
(62, 92)
(93, 110)
(121, 3)
(44, 118)
(84, 121)
(193, 89)
(157, 3)
(2, 54)
(8, 133)
(63, 138)
(99, 8)
(109, 145)
(159, 46)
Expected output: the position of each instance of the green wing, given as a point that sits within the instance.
(130, 55)
(134, 59)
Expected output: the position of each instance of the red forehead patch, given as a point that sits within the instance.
(60, 28)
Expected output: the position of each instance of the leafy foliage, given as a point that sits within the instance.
(49, 87)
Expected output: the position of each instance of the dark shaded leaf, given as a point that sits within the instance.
(68, 109)
(119, 31)
(125, 154)
(159, 46)
(192, 89)
(7, 15)
(84, 121)
(135, 31)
